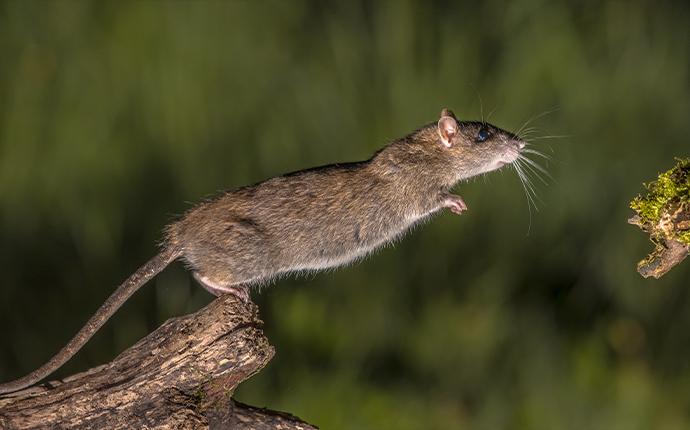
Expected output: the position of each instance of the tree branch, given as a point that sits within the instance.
(668, 251)
(181, 376)
(664, 213)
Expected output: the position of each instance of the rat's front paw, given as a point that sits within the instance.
(455, 203)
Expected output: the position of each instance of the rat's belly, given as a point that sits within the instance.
(350, 242)
(332, 261)
(334, 254)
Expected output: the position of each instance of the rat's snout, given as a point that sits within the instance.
(512, 150)
(516, 141)
(517, 145)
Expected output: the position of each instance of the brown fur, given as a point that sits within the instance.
(329, 216)
(313, 219)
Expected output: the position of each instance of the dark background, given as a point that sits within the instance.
(116, 116)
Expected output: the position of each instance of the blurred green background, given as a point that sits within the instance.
(116, 116)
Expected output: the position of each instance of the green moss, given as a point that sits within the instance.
(684, 236)
(672, 187)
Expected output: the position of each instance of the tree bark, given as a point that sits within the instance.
(668, 251)
(664, 213)
(181, 376)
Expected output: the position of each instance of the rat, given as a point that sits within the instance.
(313, 219)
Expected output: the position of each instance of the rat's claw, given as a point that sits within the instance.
(455, 203)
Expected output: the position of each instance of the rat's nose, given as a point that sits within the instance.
(520, 143)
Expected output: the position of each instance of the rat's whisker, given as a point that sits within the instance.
(526, 169)
(530, 170)
(528, 129)
(527, 137)
(556, 136)
(481, 104)
(481, 107)
(544, 179)
(536, 166)
(526, 132)
(531, 188)
(528, 198)
(517, 133)
(526, 183)
(537, 153)
(488, 117)
(536, 117)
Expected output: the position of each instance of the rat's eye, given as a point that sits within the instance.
(482, 135)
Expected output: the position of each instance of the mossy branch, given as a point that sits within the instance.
(664, 213)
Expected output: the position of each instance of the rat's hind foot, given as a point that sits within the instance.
(217, 289)
(241, 291)
(455, 203)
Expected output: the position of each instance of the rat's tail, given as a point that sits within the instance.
(112, 304)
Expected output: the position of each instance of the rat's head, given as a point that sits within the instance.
(476, 147)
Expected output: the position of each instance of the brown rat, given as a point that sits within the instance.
(314, 219)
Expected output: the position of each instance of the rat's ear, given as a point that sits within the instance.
(447, 127)
(448, 112)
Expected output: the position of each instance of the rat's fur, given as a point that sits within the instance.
(314, 219)
(328, 216)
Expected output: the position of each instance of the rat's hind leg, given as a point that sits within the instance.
(218, 289)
